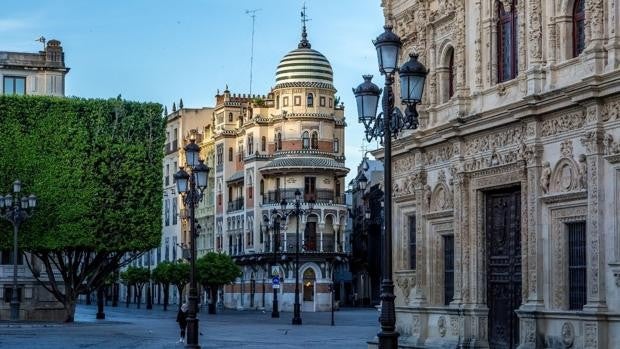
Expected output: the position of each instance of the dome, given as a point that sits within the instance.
(304, 66)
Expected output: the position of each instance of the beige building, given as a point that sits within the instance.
(267, 147)
(506, 199)
(25, 73)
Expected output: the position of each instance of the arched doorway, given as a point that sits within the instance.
(308, 289)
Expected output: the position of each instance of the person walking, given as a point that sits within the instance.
(182, 320)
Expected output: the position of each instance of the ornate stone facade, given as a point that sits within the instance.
(551, 135)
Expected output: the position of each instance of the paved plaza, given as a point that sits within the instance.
(140, 328)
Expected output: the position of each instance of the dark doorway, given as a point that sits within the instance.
(503, 234)
(310, 236)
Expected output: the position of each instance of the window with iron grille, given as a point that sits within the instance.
(412, 242)
(507, 43)
(579, 30)
(577, 284)
(448, 265)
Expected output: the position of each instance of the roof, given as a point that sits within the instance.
(302, 162)
(237, 176)
(304, 65)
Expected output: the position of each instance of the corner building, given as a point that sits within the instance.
(507, 197)
(266, 148)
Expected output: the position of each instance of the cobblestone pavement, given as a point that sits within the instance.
(140, 328)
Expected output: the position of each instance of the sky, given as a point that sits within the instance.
(163, 50)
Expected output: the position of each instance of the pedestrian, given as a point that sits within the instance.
(182, 320)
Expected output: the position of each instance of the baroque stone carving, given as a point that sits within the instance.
(403, 164)
(405, 283)
(568, 334)
(478, 144)
(438, 155)
(441, 198)
(545, 177)
(563, 123)
(535, 22)
(441, 326)
(591, 335)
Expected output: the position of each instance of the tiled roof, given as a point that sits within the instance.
(235, 177)
(304, 162)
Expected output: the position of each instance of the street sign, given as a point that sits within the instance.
(275, 270)
(275, 280)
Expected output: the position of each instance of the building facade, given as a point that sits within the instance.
(506, 198)
(25, 73)
(268, 147)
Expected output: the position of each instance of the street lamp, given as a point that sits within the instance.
(296, 211)
(191, 186)
(275, 313)
(16, 210)
(383, 127)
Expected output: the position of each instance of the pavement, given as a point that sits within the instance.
(140, 328)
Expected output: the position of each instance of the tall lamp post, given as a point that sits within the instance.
(296, 211)
(390, 123)
(191, 186)
(16, 210)
(275, 313)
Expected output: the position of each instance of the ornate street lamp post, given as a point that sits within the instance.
(191, 186)
(16, 210)
(296, 211)
(383, 127)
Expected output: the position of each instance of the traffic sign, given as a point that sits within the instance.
(275, 270)
(275, 280)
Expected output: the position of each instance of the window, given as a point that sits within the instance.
(230, 154)
(451, 74)
(279, 141)
(285, 101)
(263, 143)
(167, 212)
(250, 144)
(297, 100)
(507, 42)
(577, 284)
(336, 145)
(322, 101)
(331, 103)
(240, 152)
(174, 248)
(220, 154)
(315, 140)
(8, 294)
(310, 100)
(230, 117)
(230, 194)
(278, 102)
(167, 255)
(579, 34)
(7, 257)
(167, 174)
(448, 266)
(309, 188)
(412, 242)
(305, 140)
(14, 85)
(174, 211)
(262, 187)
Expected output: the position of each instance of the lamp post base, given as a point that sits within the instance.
(296, 314)
(388, 340)
(14, 310)
(296, 321)
(275, 313)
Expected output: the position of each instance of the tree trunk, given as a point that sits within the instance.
(100, 296)
(139, 295)
(166, 292)
(212, 300)
(128, 295)
(69, 307)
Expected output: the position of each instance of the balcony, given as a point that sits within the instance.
(172, 147)
(320, 196)
(235, 205)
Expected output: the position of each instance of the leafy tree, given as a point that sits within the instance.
(215, 270)
(137, 277)
(95, 166)
(162, 274)
(179, 272)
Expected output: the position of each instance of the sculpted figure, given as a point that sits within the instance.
(583, 171)
(545, 178)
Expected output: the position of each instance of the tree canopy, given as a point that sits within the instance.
(216, 269)
(95, 167)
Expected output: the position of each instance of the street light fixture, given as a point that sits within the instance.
(383, 127)
(191, 186)
(296, 211)
(16, 211)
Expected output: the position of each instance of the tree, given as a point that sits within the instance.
(163, 276)
(138, 277)
(179, 272)
(95, 166)
(215, 270)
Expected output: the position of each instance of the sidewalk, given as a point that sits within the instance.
(141, 328)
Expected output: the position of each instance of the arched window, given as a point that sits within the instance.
(279, 141)
(250, 144)
(579, 34)
(310, 100)
(315, 140)
(336, 145)
(230, 117)
(230, 154)
(451, 73)
(305, 140)
(263, 143)
(507, 43)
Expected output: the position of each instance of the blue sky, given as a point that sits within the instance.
(162, 50)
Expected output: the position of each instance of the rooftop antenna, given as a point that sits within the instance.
(252, 13)
(41, 39)
(304, 43)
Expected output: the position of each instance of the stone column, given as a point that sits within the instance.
(419, 182)
(595, 34)
(534, 249)
(461, 243)
(535, 74)
(337, 238)
(321, 231)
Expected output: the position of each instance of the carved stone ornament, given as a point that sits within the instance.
(563, 123)
(416, 325)
(568, 334)
(545, 177)
(405, 283)
(441, 326)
